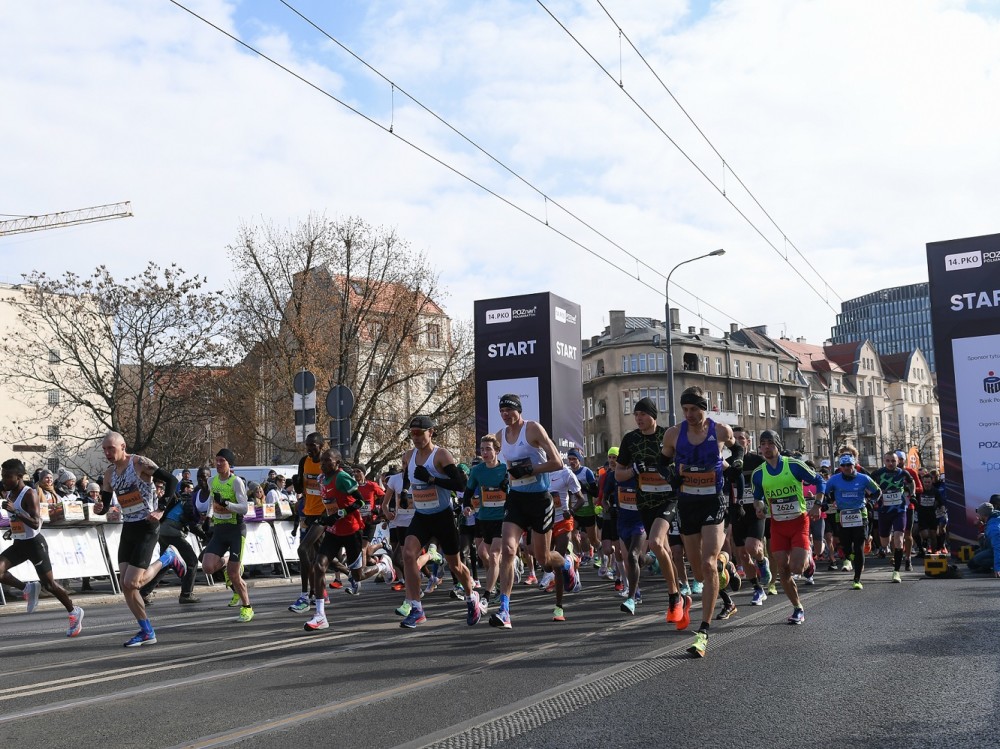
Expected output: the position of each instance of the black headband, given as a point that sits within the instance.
(510, 401)
(690, 399)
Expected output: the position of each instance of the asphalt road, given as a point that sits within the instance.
(895, 665)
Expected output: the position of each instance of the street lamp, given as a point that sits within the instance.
(667, 325)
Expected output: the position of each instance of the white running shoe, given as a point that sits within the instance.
(316, 623)
(31, 591)
(75, 622)
(547, 578)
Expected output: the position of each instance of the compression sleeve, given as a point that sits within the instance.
(456, 480)
(168, 479)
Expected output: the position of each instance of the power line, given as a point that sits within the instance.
(690, 160)
(391, 131)
(725, 164)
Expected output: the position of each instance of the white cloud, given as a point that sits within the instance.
(866, 130)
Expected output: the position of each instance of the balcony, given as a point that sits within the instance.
(794, 422)
(866, 430)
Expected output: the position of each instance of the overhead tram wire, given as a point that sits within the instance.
(396, 87)
(459, 173)
(685, 155)
(444, 164)
(725, 162)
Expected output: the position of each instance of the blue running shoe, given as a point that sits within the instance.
(142, 638)
(759, 596)
(500, 619)
(415, 617)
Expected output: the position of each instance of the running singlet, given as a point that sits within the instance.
(782, 492)
(19, 531)
(563, 486)
(428, 499)
(489, 498)
(221, 514)
(650, 489)
(136, 497)
(586, 476)
(699, 466)
(336, 492)
(517, 453)
(310, 487)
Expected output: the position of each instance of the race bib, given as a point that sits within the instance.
(17, 529)
(747, 495)
(851, 519)
(425, 497)
(927, 500)
(494, 498)
(892, 499)
(786, 510)
(131, 502)
(697, 481)
(524, 480)
(627, 499)
(651, 482)
(557, 499)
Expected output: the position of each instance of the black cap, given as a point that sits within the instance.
(228, 455)
(770, 436)
(510, 400)
(422, 422)
(646, 406)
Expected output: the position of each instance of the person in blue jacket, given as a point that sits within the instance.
(987, 559)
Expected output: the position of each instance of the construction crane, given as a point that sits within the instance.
(25, 224)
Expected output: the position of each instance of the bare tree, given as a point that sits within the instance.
(94, 353)
(356, 306)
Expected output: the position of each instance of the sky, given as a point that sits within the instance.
(824, 142)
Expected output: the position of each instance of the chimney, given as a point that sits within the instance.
(800, 339)
(594, 339)
(617, 323)
(703, 331)
(691, 329)
(675, 318)
(733, 328)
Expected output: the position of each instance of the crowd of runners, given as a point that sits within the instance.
(690, 504)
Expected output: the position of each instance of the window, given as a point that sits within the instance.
(624, 363)
(708, 399)
(590, 442)
(704, 364)
(53, 432)
(739, 404)
(770, 373)
(718, 365)
(642, 362)
(586, 372)
(626, 402)
(749, 371)
(760, 373)
(432, 378)
(54, 399)
(902, 422)
(760, 405)
(736, 367)
(772, 402)
(52, 464)
(659, 363)
(633, 362)
(662, 393)
(590, 408)
(434, 336)
(721, 401)
(54, 357)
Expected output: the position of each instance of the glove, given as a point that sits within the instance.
(639, 467)
(520, 471)
(420, 473)
(736, 465)
(404, 500)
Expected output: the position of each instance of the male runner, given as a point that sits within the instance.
(777, 491)
(489, 480)
(897, 488)
(584, 511)
(29, 545)
(694, 451)
(229, 532)
(306, 483)
(530, 456)
(130, 478)
(850, 491)
(748, 529)
(638, 462)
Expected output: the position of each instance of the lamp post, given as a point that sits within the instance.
(667, 325)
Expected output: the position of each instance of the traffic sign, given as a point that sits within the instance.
(304, 403)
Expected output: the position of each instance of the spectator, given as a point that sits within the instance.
(987, 559)
(65, 485)
(46, 487)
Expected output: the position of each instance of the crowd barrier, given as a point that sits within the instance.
(86, 548)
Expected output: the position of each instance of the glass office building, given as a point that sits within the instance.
(895, 320)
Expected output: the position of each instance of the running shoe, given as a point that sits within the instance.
(638, 595)
(740, 571)
(432, 583)
(558, 615)
(597, 563)
(404, 608)
(571, 577)
(856, 585)
(772, 589)
(234, 601)
(500, 619)
(246, 614)
(435, 556)
(696, 588)
(353, 587)
(172, 558)
(764, 572)
(675, 610)
(586, 560)
(759, 596)
(896, 578)
(316, 623)
(31, 591)
(619, 585)
(685, 590)
(628, 606)
(908, 565)
(142, 638)
(727, 611)
(415, 617)
(700, 644)
(810, 570)
(833, 567)
(475, 613)
(798, 616)
(847, 566)
(188, 598)
(685, 619)
(735, 581)
(518, 569)
(457, 593)
(301, 604)
(530, 580)
(336, 585)
(75, 622)
(548, 579)
(398, 587)
(808, 579)
(484, 605)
